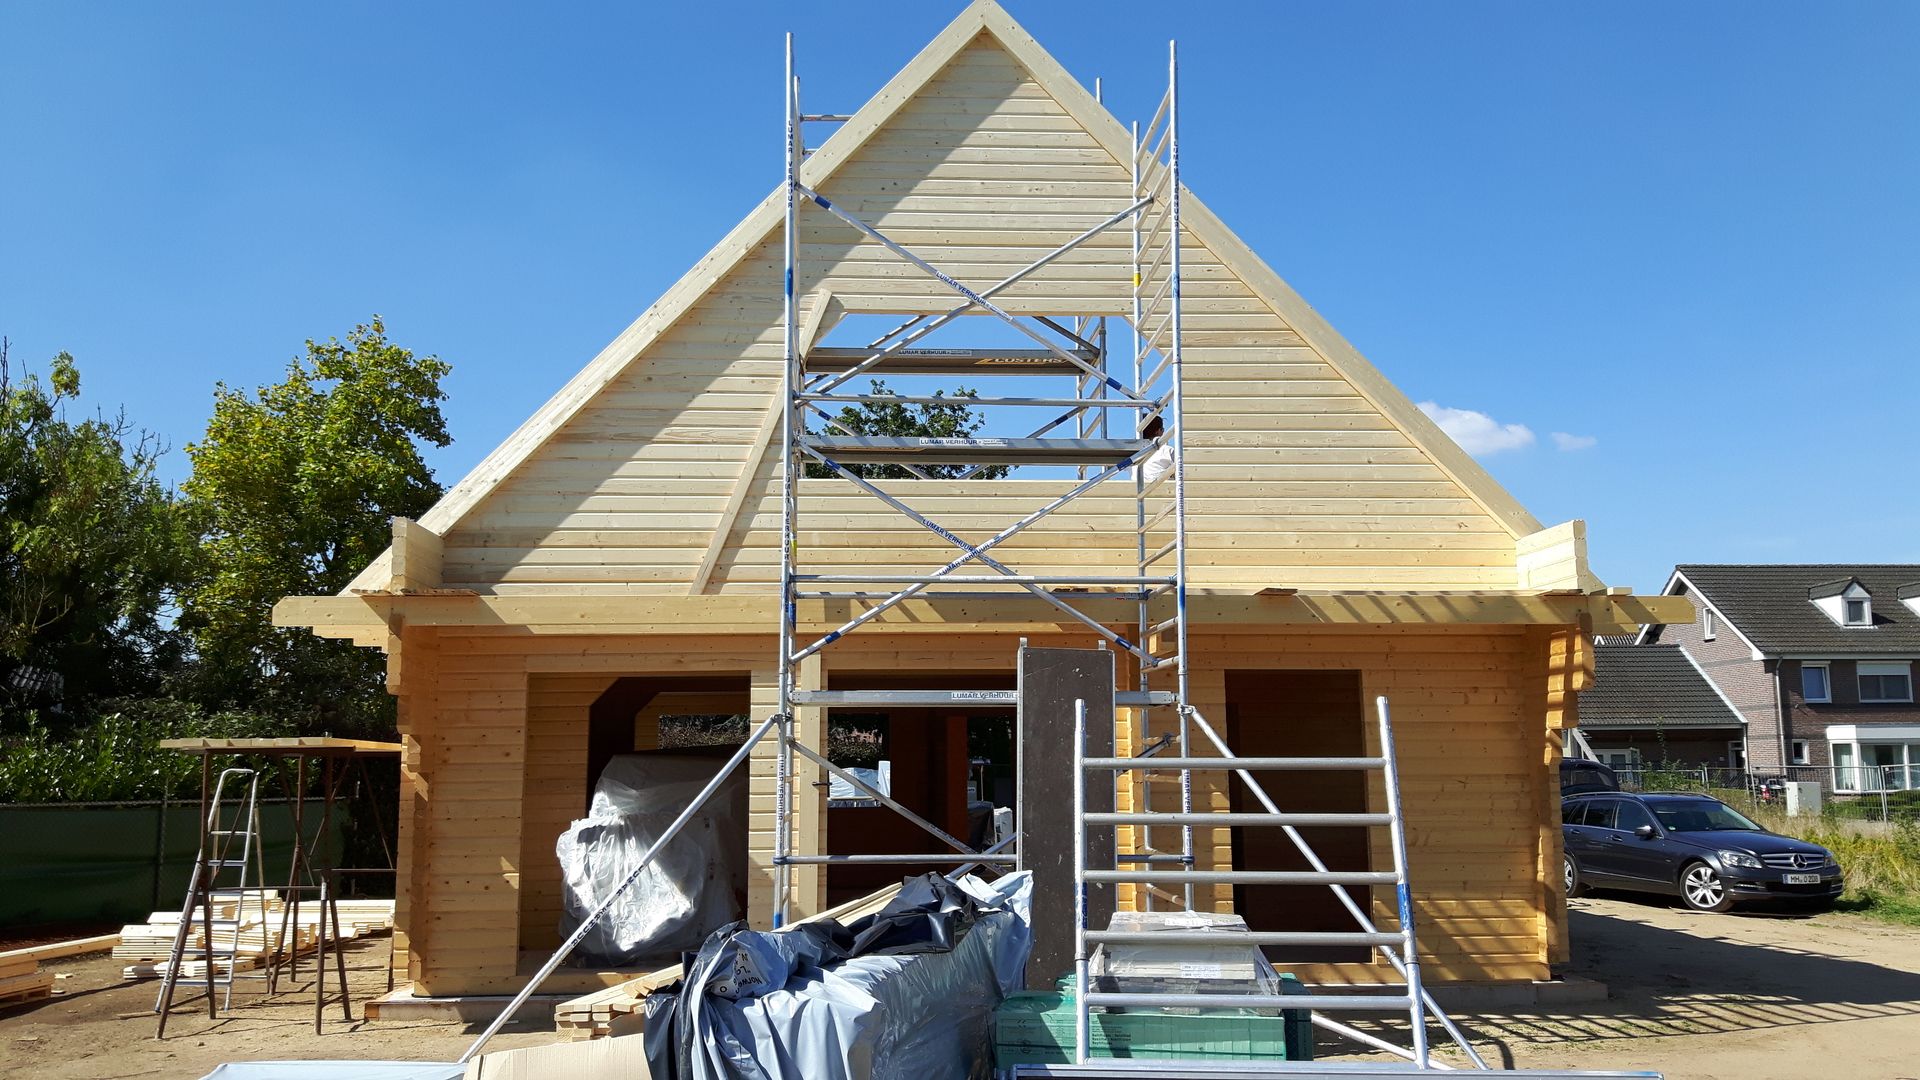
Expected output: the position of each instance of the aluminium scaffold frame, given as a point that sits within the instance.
(1079, 350)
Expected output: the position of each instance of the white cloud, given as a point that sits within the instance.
(1570, 443)
(1476, 432)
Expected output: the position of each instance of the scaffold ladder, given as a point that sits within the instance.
(1399, 946)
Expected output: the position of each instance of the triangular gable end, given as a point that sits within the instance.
(568, 467)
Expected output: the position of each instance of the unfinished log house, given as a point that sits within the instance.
(618, 558)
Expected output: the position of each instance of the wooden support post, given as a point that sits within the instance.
(1566, 658)
(416, 557)
(807, 883)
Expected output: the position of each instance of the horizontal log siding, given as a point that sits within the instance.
(1293, 476)
(1472, 708)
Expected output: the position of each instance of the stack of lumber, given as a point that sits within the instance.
(244, 937)
(616, 1010)
(21, 977)
(22, 980)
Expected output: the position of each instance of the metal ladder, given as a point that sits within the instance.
(205, 892)
(1399, 947)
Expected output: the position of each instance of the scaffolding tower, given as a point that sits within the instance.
(1146, 461)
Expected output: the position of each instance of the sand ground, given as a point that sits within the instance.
(1697, 997)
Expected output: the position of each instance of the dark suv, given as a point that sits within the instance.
(1691, 846)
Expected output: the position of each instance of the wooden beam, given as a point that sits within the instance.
(289, 744)
(821, 315)
(1211, 610)
(59, 950)
(416, 557)
(1556, 558)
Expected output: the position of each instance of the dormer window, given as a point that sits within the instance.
(1846, 602)
(1909, 595)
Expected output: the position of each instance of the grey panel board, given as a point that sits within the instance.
(1050, 681)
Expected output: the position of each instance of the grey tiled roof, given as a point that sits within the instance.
(1650, 686)
(1771, 606)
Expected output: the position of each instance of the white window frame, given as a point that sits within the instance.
(1826, 680)
(1798, 752)
(1844, 760)
(1846, 611)
(1903, 668)
(1708, 631)
(1736, 754)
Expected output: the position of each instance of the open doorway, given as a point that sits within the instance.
(640, 750)
(1300, 714)
(951, 766)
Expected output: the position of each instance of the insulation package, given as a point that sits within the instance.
(694, 887)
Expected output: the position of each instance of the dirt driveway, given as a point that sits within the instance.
(1727, 997)
(1698, 997)
(103, 1027)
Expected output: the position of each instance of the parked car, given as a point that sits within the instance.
(1579, 775)
(1692, 846)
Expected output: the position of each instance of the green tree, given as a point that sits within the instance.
(951, 419)
(91, 550)
(292, 491)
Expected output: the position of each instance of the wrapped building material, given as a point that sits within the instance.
(692, 887)
(905, 994)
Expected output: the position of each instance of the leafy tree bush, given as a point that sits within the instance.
(293, 490)
(91, 550)
(117, 756)
(952, 419)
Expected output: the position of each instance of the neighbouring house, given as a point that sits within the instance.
(1652, 705)
(1817, 658)
(617, 561)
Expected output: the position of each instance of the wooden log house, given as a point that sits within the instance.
(616, 559)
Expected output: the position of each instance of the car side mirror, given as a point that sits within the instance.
(1644, 832)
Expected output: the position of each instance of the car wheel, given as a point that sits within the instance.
(1702, 889)
(1571, 869)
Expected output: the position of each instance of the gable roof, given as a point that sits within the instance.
(1772, 606)
(982, 20)
(1836, 587)
(1651, 686)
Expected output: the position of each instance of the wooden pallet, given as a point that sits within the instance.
(29, 986)
(616, 1010)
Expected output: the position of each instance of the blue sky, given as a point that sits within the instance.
(1686, 237)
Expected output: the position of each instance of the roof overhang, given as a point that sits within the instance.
(371, 618)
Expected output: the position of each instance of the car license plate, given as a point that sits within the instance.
(1801, 879)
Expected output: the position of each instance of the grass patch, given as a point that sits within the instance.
(1881, 861)
(1899, 910)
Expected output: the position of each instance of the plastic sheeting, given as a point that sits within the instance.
(808, 1002)
(337, 1070)
(692, 887)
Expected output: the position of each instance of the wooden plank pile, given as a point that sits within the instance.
(245, 937)
(22, 980)
(21, 977)
(616, 1010)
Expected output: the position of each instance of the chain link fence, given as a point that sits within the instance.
(1884, 793)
